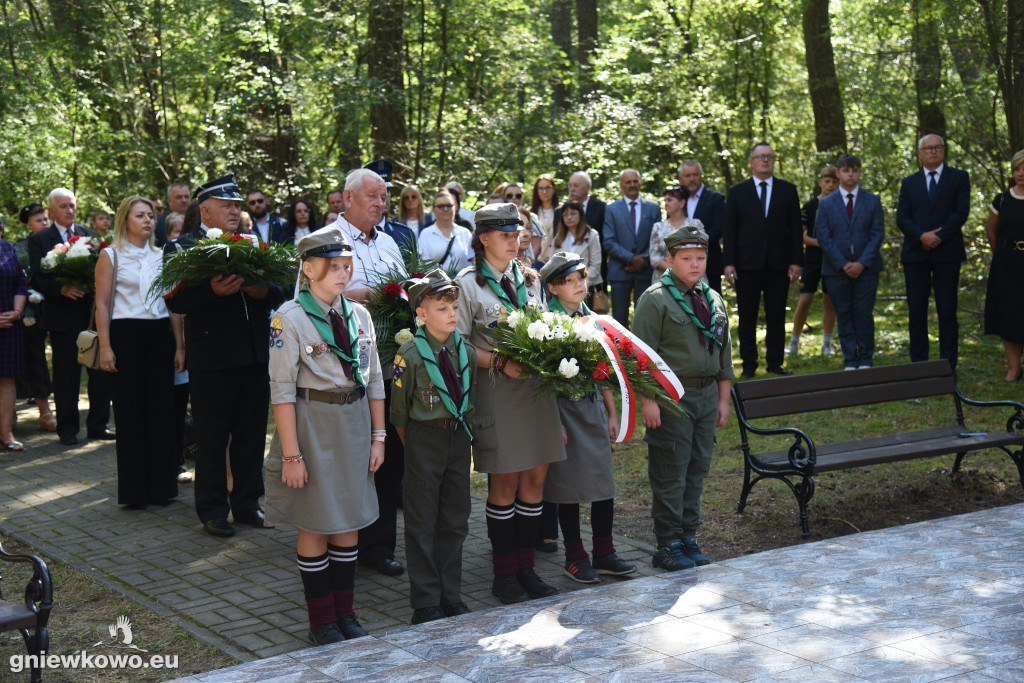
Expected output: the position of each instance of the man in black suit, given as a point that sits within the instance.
(270, 227)
(226, 327)
(933, 207)
(708, 207)
(593, 212)
(762, 253)
(66, 314)
(179, 196)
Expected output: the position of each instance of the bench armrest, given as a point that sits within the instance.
(802, 453)
(1014, 423)
(39, 591)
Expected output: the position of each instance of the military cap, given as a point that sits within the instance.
(684, 238)
(434, 282)
(326, 242)
(561, 264)
(29, 211)
(503, 217)
(219, 188)
(383, 168)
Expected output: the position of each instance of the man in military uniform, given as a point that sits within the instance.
(226, 327)
(687, 324)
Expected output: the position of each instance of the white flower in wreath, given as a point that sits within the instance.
(585, 332)
(50, 260)
(78, 249)
(513, 318)
(403, 336)
(548, 317)
(569, 368)
(538, 330)
(214, 233)
(34, 297)
(559, 332)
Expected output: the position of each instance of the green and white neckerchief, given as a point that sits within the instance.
(326, 331)
(711, 334)
(520, 283)
(555, 306)
(434, 373)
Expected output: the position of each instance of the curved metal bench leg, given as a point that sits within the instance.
(804, 491)
(956, 463)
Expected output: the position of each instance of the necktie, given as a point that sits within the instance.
(849, 205)
(933, 185)
(700, 309)
(510, 290)
(452, 380)
(342, 339)
(764, 198)
(632, 214)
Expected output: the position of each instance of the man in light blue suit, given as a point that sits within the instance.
(850, 228)
(627, 239)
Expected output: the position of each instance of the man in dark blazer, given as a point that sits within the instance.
(66, 314)
(708, 207)
(850, 227)
(627, 239)
(179, 196)
(762, 254)
(580, 186)
(933, 207)
(270, 227)
(226, 327)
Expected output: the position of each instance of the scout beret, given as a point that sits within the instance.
(219, 188)
(685, 238)
(326, 242)
(434, 282)
(29, 211)
(504, 217)
(561, 264)
(383, 168)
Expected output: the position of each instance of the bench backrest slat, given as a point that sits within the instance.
(843, 398)
(827, 381)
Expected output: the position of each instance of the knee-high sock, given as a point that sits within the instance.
(317, 588)
(527, 520)
(601, 514)
(501, 530)
(342, 574)
(569, 519)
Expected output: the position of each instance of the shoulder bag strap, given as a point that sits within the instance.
(447, 251)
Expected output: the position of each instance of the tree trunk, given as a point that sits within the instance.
(384, 61)
(826, 98)
(561, 34)
(1008, 63)
(586, 23)
(928, 69)
(441, 160)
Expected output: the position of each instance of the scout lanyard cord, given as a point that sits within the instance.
(520, 283)
(434, 372)
(326, 332)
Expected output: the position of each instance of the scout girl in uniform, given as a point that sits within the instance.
(687, 324)
(328, 397)
(517, 434)
(586, 475)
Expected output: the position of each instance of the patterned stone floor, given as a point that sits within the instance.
(938, 600)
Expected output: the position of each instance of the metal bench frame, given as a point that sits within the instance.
(31, 617)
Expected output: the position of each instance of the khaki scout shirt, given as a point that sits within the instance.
(660, 321)
(299, 357)
(413, 395)
(479, 306)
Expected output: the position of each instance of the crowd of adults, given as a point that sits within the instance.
(210, 343)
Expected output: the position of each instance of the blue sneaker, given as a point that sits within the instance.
(692, 551)
(671, 557)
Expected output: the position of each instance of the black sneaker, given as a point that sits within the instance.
(532, 584)
(581, 571)
(455, 609)
(350, 627)
(508, 590)
(613, 565)
(325, 634)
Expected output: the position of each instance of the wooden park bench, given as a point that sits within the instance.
(33, 613)
(795, 395)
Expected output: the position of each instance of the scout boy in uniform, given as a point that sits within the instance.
(431, 398)
(687, 324)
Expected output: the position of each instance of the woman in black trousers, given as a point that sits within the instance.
(142, 350)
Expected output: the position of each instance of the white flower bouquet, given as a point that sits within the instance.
(74, 263)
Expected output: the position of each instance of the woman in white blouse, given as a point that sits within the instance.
(573, 234)
(142, 351)
(544, 201)
(445, 242)
(410, 209)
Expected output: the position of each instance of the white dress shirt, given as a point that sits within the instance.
(372, 261)
(432, 244)
(691, 201)
(768, 191)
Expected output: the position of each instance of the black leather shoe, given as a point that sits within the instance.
(104, 435)
(748, 374)
(218, 526)
(257, 520)
(425, 614)
(350, 627)
(325, 634)
(532, 584)
(69, 440)
(780, 371)
(508, 590)
(388, 566)
(455, 609)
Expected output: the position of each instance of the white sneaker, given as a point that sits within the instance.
(827, 350)
(792, 349)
